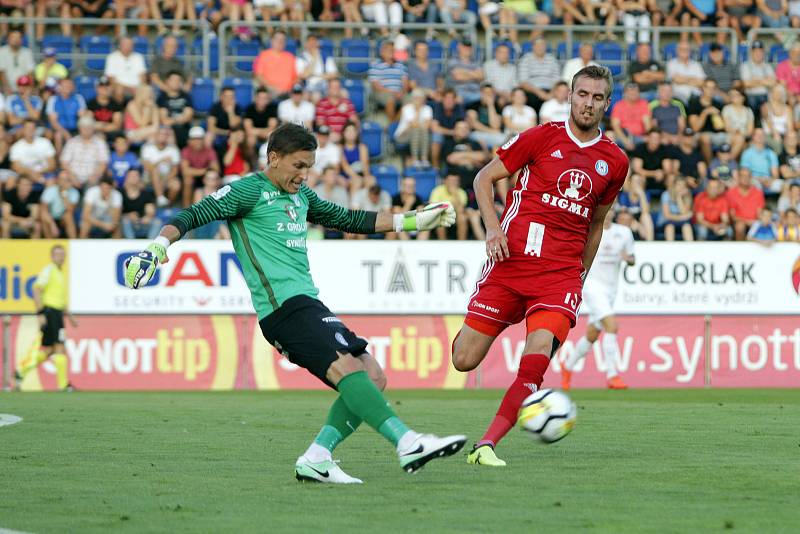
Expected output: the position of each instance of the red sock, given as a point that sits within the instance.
(529, 377)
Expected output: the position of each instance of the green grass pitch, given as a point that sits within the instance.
(637, 461)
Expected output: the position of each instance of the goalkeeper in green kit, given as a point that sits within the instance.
(267, 213)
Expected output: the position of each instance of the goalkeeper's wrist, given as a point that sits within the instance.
(159, 247)
(405, 222)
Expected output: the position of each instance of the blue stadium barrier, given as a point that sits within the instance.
(85, 86)
(248, 50)
(427, 178)
(63, 46)
(387, 176)
(99, 45)
(203, 94)
(355, 49)
(372, 136)
(357, 94)
(243, 87)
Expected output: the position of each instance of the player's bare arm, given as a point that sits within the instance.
(496, 240)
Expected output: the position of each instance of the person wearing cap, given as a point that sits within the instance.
(102, 208)
(275, 68)
(464, 74)
(685, 74)
(24, 104)
(49, 68)
(724, 166)
(757, 76)
(501, 73)
(15, 61)
(85, 155)
(388, 80)
(175, 108)
(630, 118)
(106, 111)
(722, 72)
(196, 158)
(297, 109)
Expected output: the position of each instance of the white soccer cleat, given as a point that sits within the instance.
(326, 471)
(428, 447)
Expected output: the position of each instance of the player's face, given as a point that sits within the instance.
(588, 103)
(58, 255)
(289, 171)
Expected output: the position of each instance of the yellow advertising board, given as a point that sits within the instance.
(20, 263)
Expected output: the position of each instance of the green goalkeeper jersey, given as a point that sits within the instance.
(268, 228)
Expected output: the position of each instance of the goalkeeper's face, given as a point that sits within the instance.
(289, 171)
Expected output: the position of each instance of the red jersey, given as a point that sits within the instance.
(560, 184)
(335, 116)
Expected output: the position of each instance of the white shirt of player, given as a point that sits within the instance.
(607, 263)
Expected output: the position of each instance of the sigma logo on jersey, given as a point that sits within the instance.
(573, 185)
(601, 167)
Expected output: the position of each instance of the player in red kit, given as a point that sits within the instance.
(541, 249)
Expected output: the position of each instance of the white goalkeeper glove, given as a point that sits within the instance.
(432, 216)
(140, 268)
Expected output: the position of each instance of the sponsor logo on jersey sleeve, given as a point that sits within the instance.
(510, 142)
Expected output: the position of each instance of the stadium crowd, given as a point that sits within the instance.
(713, 144)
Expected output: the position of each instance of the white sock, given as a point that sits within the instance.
(317, 453)
(611, 354)
(581, 348)
(407, 441)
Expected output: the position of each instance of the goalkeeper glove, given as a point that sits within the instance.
(432, 216)
(140, 268)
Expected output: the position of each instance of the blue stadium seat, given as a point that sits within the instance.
(291, 45)
(327, 48)
(247, 50)
(632, 51)
(509, 44)
(372, 136)
(243, 87)
(669, 51)
(387, 177)
(63, 46)
(609, 55)
(402, 148)
(777, 53)
(85, 86)
(181, 45)
(142, 45)
(705, 50)
(203, 94)
(744, 52)
(99, 46)
(427, 178)
(357, 94)
(561, 50)
(435, 49)
(213, 52)
(358, 49)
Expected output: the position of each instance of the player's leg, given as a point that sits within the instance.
(611, 352)
(51, 330)
(581, 349)
(472, 343)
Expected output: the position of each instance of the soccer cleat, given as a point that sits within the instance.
(326, 471)
(566, 378)
(484, 455)
(615, 382)
(428, 447)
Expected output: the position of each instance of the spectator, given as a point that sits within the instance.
(705, 117)
(141, 118)
(690, 162)
(138, 218)
(668, 113)
(445, 116)
(556, 109)
(352, 14)
(632, 200)
(167, 62)
(15, 61)
(385, 13)
(224, 115)
(450, 191)
(665, 12)
(57, 207)
(121, 160)
(49, 68)
(275, 68)
(789, 159)
(650, 161)
(371, 198)
(196, 159)
(521, 13)
(702, 13)
(464, 157)
(175, 108)
(102, 205)
(389, 81)
(676, 210)
(106, 111)
(456, 12)
(712, 222)
(315, 68)
(789, 228)
(25, 104)
(763, 164)
(724, 74)
(724, 167)
(297, 109)
(354, 159)
(790, 198)
(414, 128)
(773, 13)
(584, 59)
(419, 11)
(745, 201)
(214, 229)
(485, 118)
(132, 9)
(787, 71)
(630, 118)
(407, 199)
(63, 110)
(464, 74)
(5, 150)
(635, 17)
(20, 210)
(260, 118)
(763, 231)
(538, 74)
(742, 17)
(161, 161)
(776, 116)
(646, 72)
(126, 68)
(32, 155)
(330, 189)
(422, 74)
(685, 74)
(739, 121)
(757, 76)
(329, 154)
(501, 73)
(518, 116)
(336, 110)
(85, 156)
(236, 157)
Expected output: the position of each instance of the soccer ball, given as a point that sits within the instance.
(547, 415)
(139, 269)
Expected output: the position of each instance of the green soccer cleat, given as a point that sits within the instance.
(326, 471)
(428, 447)
(484, 455)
